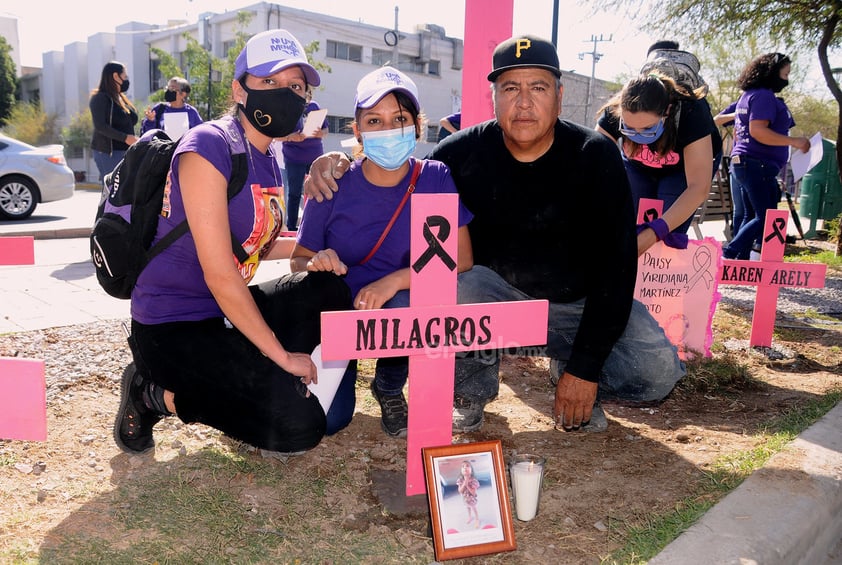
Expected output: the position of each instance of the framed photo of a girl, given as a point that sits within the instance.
(468, 497)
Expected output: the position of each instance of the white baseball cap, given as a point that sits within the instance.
(271, 51)
(377, 84)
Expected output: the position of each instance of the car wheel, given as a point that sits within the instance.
(18, 198)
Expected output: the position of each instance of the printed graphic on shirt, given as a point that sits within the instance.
(268, 221)
(166, 207)
(649, 158)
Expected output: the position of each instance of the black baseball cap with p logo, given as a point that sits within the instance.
(524, 51)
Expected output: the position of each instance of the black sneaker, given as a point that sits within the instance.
(134, 422)
(467, 415)
(393, 412)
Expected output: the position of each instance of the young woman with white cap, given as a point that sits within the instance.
(206, 344)
(344, 235)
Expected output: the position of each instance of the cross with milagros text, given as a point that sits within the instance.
(432, 330)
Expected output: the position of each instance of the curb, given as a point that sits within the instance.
(789, 511)
(66, 233)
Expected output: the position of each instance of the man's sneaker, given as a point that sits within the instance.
(467, 415)
(134, 422)
(598, 422)
(555, 371)
(393, 412)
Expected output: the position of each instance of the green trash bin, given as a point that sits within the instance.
(821, 190)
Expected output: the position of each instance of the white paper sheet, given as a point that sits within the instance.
(176, 123)
(314, 122)
(802, 162)
(330, 375)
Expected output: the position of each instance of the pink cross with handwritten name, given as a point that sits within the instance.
(23, 404)
(432, 330)
(769, 275)
(17, 250)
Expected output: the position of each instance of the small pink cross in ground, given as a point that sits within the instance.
(769, 274)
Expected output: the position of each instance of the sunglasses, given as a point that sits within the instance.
(649, 132)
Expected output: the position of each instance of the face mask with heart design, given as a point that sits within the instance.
(275, 112)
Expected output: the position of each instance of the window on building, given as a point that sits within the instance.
(339, 124)
(156, 79)
(228, 46)
(432, 134)
(434, 68)
(345, 51)
(380, 57)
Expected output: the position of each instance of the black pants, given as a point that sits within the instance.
(222, 380)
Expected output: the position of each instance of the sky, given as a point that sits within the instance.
(68, 22)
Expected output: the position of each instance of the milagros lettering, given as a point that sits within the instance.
(446, 331)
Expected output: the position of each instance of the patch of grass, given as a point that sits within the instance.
(717, 375)
(651, 534)
(812, 255)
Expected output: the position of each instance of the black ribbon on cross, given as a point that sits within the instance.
(778, 226)
(650, 215)
(434, 242)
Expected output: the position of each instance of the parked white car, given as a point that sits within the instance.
(31, 175)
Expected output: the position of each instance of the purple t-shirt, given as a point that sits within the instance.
(761, 104)
(172, 287)
(306, 150)
(351, 222)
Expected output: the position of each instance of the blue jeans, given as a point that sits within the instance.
(646, 184)
(105, 163)
(390, 376)
(643, 366)
(760, 191)
(295, 177)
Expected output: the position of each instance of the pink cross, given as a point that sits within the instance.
(23, 404)
(432, 330)
(769, 274)
(18, 250)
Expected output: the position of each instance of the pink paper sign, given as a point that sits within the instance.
(17, 250)
(23, 400)
(678, 287)
(769, 274)
(487, 24)
(432, 329)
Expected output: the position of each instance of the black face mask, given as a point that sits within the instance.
(776, 84)
(125, 86)
(274, 113)
(170, 95)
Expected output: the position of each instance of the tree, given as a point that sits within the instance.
(8, 81)
(27, 122)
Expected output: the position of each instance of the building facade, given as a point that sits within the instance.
(350, 49)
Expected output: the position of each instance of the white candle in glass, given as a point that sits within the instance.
(526, 486)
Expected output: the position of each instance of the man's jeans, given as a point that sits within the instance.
(643, 366)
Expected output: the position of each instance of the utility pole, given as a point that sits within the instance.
(595, 59)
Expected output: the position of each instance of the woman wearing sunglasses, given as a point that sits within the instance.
(671, 149)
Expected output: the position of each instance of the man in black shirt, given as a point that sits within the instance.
(553, 219)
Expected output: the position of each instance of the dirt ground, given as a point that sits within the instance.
(77, 488)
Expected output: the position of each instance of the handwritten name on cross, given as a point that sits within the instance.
(432, 330)
(769, 274)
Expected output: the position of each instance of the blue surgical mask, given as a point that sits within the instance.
(389, 149)
(645, 136)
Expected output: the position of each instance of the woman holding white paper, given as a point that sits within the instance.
(300, 149)
(761, 145)
(353, 234)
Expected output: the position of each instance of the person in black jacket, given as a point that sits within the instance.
(553, 219)
(114, 118)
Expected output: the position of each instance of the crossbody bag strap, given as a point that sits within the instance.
(416, 172)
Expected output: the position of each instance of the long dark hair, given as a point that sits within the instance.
(109, 86)
(657, 94)
(762, 71)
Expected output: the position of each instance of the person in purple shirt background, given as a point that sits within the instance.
(761, 145)
(339, 235)
(299, 152)
(175, 102)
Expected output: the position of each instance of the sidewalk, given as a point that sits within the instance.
(788, 512)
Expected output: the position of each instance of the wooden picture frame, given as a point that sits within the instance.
(478, 520)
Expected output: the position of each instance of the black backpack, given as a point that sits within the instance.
(132, 197)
